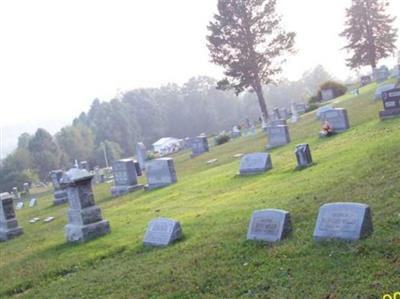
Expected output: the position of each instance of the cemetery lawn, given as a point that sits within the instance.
(214, 206)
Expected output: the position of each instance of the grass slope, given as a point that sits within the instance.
(214, 206)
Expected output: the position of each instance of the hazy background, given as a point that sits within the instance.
(57, 56)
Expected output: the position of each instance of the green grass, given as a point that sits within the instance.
(214, 260)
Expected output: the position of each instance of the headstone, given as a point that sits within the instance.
(97, 175)
(236, 132)
(327, 94)
(48, 219)
(303, 155)
(277, 136)
(391, 104)
(15, 192)
(255, 163)
(26, 188)
(84, 217)
(162, 232)
(124, 177)
(199, 145)
(19, 205)
(337, 118)
(270, 225)
(141, 155)
(382, 88)
(284, 113)
(32, 202)
(300, 108)
(34, 220)
(160, 173)
(60, 193)
(138, 168)
(8, 223)
(343, 221)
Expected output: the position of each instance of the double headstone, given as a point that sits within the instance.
(343, 221)
(160, 173)
(270, 225)
(8, 223)
(141, 155)
(125, 178)
(391, 104)
(277, 135)
(60, 193)
(337, 118)
(255, 163)
(303, 155)
(199, 145)
(84, 217)
(162, 232)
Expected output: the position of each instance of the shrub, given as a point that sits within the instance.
(221, 139)
(338, 88)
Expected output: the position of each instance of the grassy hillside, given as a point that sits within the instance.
(214, 260)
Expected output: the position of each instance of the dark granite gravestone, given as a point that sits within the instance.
(162, 232)
(138, 168)
(8, 223)
(337, 118)
(84, 217)
(303, 155)
(141, 155)
(270, 225)
(255, 163)
(343, 221)
(199, 145)
(160, 173)
(125, 179)
(60, 193)
(391, 104)
(277, 136)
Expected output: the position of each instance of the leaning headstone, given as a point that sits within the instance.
(277, 136)
(303, 155)
(160, 173)
(255, 163)
(124, 177)
(199, 145)
(343, 221)
(60, 193)
(337, 118)
(270, 225)
(391, 104)
(32, 202)
(141, 155)
(162, 232)
(84, 217)
(8, 223)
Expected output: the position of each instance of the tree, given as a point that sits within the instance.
(369, 32)
(247, 40)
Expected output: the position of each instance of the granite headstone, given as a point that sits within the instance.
(162, 232)
(199, 145)
(160, 173)
(391, 104)
(303, 155)
(277, 135)
(8, 223)
(255, 163)
(337, 118)
(60, 193)
(125, 178)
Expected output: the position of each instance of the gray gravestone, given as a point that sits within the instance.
(337, 118)
(284, 113)
(125, 178)
(327, 94)
(300, 108)
(8, 223)
(60, 193)
(141, 155)
(32, 202)
(19, 205)
(199, 145)
(270, 225)
(160, 173)
(343, 221)
(162, 232)
(303, 155)
(26, 188)
(255, 163)
(277, 136)
(84, 217)
(391, 104)
(15, 192)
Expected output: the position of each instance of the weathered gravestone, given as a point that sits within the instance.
(303, 155)
(32, 202)
(337, 118)
(84, 217)
(391, 104)
(277, 135)
(270, 225)
(141, 155)
(125, 178)
(60, 193)
(199, 145)
(8, 223)
(343, 221)
(162, 232)
(160, 173)
(255, 163)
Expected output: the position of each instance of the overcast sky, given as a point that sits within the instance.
(57, 56)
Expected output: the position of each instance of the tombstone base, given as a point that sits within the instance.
(84, 233)
(388, 114)
(60, 197)
(301, 167)
(150, 187)
(250, 173)
(8, 234)
(121, 190)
